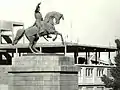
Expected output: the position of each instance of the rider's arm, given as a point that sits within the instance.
(37, 7)
(37, 13)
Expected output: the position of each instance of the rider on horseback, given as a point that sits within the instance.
(39, 18)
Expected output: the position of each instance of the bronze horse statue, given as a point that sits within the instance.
(33, 33)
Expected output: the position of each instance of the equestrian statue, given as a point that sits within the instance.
(41, 28)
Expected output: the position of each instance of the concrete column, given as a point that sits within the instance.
(83, 74)
(89, 61)
(16, 52)
(109, 58)
(40, 49)
(83, 88)
(65, 50)
(86, 62)
(94, 74)
(75, 57)
(96, 57)
(79, 77)
(94, 88)
(99, 57)
(105, 71)
(0, 36)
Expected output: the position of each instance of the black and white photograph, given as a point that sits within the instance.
(59, 44)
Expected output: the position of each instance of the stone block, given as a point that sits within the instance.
(55, 88)
(33, 61)
(21, 88)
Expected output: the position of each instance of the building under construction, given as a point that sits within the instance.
(86, 57)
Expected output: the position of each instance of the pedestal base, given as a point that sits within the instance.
(43, 72)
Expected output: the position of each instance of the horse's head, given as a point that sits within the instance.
(58, 18)
(53, 15)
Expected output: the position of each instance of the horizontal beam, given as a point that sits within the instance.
(58, 47)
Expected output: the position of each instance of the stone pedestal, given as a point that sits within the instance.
(43, 72)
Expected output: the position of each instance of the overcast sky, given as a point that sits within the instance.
(94, 22)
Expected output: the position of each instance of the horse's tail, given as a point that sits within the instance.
(19, 35)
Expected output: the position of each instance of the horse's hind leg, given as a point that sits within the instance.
(34, 43)
(31, 48)
(31, 39)
(34, 47)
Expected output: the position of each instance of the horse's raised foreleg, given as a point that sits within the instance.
(57, 33)
(45, 38)
(55, 37)
(61, 38)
